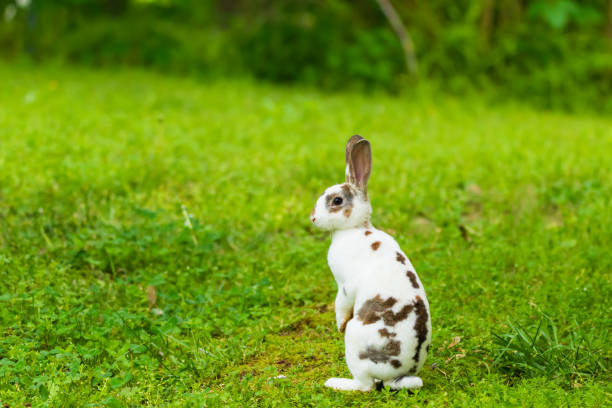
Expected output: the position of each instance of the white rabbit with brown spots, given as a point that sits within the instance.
(381, 303)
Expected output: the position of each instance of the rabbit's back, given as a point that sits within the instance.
(390, 331)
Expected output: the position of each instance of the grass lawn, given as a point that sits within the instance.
(156, 249)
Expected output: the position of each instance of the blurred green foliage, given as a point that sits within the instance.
(554, 53)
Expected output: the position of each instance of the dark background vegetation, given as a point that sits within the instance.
(552, 53)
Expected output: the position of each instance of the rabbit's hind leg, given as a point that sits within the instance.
(405, 381)
(348, 384)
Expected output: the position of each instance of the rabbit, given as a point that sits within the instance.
(381, 304)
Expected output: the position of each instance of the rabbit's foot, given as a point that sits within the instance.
(348, 384)
(405, 381)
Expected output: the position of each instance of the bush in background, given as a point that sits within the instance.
(554, 53)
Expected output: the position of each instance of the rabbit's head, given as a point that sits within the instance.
(346, 205)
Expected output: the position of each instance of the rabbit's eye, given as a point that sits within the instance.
(337, 201)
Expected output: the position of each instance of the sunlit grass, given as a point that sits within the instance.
(572, 354)
(155, 245)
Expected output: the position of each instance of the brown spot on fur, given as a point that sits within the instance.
(393, 347)
(368, 233)
(347, 196)
(348, 319)
(383, 354)
(347, 192)
(375, 245)
(396, 363)
(371, 310)
(331, 208)
(347, 212)
(420, 326)
(400, 258)
(375, 309)
(413, 279)
(391, 319)
(386, 333)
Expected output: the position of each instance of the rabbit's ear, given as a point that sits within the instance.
(349, 146)
(360, 165)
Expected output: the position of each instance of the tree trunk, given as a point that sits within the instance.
(402, 34)
(510, 13)
(116, 7)
(609, 28)
(486, 22)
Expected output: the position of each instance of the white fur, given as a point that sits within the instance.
(404, 382)
(360, 212)
(363, 273)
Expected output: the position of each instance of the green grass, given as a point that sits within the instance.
(109, 297)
